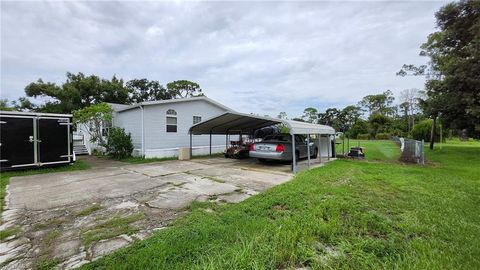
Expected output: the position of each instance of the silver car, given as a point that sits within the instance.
(279, 147)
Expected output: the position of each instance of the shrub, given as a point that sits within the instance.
(382, 136)
(421, 131)
(360, 127)
(363, 136)
(119, 144)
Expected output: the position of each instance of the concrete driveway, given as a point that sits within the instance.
(70, 209)
(215, 176)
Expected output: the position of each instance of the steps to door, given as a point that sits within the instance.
(79, 148)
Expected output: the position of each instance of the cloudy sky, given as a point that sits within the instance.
(260, 57)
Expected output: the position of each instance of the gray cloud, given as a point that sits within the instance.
(261, 57)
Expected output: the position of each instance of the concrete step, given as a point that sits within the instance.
(80, 150)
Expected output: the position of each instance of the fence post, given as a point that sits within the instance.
(423, 152)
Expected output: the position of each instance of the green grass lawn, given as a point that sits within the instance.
(374, 150)
(350, 214)
(5, 176)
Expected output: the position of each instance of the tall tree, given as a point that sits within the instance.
(184, 88)
(453, 71)
(4, 105)
(310, 115)
(349, 116)
(77, 92)
(379, 103)
(141, 90)
(331, 118)
(24, 104)
(409, 105)
(282, 115)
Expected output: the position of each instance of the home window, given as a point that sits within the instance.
(197, 119)
(106, 125)
(171, 121)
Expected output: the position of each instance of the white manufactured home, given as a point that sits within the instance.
(161, 128)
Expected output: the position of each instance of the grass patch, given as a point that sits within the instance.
(55, 222)
(347, 215)
(5, 176)
(47, 264)
(196, 205)
(215, 155)
(214, 179)
(50, 237)
(111, 228)
(375, 150)
(87, 211)
(141, 160)
(4, 234)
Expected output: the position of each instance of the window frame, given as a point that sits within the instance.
(106, 125)
(171, 128)
(193, 119)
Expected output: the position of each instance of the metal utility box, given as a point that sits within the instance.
(29, 140)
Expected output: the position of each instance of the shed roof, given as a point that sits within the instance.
(230, 122)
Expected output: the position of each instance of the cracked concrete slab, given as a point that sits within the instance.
(244, 178)
(164, 168)
(173, 199)
(37, 193)
(46, 203)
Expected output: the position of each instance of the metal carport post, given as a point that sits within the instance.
(191, 136)
(308, 149)
(294, 161)
(320, 148)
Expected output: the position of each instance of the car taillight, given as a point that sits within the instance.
(252, 147)
(280, 148)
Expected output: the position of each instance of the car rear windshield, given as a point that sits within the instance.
(283, 138)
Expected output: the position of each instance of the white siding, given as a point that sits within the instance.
(156, 136)
(159, 142)
(131, 121)
(325, 147)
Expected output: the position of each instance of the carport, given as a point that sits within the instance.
(231, 123)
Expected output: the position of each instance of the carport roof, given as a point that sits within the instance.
(230, 122)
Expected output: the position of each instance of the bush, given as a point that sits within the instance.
(119, 144)
(363, 136)
(360, 127)
(382, 136)
(422, 130)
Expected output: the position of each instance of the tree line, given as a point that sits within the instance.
(80, 91)
(452, 89)
(374, 116)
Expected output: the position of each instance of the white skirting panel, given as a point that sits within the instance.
(173, 152)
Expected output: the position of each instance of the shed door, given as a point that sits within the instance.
(17, 141)
(53, 138)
